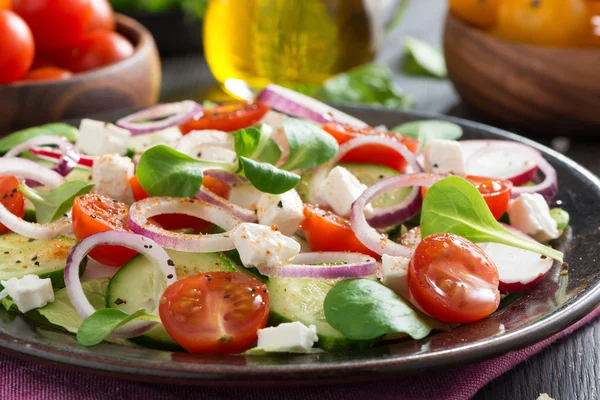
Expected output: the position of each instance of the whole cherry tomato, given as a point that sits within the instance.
(481, 13)
(48, 74)
(97, 49)
(16, 47)
(103, 17)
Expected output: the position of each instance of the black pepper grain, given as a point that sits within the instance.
(31, 240)
(170, 276)
(280, 204)
(227, 296)
(37, 263)
(170, 262)
(120, 301)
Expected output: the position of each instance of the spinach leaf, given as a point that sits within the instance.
(428, 130)
(102, 323)
(8, 142)
(561, 217)
(267, 178)
(49, 206)
(310, 145)
(423, 59)
(453, 205)
(256, 143)
(163, 171)
(364, 309)
(368, 84)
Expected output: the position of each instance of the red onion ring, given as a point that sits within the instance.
(53, 155)
(370, 237)
(140, 212)
(173, 114)
(156, 254)
(547, 188)
(242, 213)
(227, 177)
(69, 155)
(303, 266)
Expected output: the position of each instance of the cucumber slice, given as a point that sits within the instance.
(69, 132)
(368, 174)
(20, 256)
(130, 287)
(141, 143)
(294, 299)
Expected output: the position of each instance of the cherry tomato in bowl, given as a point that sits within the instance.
(16, 47)
(48, 74)
(215, 312)
(11, 198)
(453, 280)
(227, 117)
(97, 49)
(103, 16)
(93, 214)
(481, 13)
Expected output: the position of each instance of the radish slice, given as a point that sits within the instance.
(518, 270)
(298, 105)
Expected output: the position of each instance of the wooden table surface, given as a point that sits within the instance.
(567, 370)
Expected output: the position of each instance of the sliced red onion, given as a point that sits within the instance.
(54, 155)
(298, 105)
(140, 212)
(172, 114)
(227, 177)
(69, 155)
(547, 188)
(240, 212)
(156, 254)
(368, 235)
(303, 266)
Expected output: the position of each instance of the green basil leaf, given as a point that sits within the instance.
(423, 59)
(453, 205)
(368, 84)
(271, 153)
(256, 143)
(49, 206)
(163, 171)
(561, 217)
(102, 323)
(364, 309)
(310, 146)
(428, 130)
(8, 142)
(267, 178)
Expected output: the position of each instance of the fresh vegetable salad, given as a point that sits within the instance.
(281, 225)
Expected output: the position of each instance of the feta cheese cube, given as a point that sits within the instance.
(444, 157)
(29, 292)
(530, 214)
(394, 274)
(111, 174)
(215, 154)
(97, 138)
(283, 210)
(260, 246)
(246, 196)
(341, 189)
(291, 337)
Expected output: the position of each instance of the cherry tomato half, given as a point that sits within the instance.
(16, 47)
(481, 13)
(103, 17)
(5, 4)
(97, 49)
(372, 153)
(11, 198)
(326, 231)
(92, 214)
(48, 74)
(453, 280)
(227, 117)
(55, 24)
(215, 312)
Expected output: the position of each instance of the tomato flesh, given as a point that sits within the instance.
(453, 280)
(11, 198)
(227, 117)
(326, 231)
(93, 214)
(215, 312)
(16, 47)
(372, 153)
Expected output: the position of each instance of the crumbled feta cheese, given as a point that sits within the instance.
(530, 214)
(282, 210)
(29, 292)
(444, 157)
(111, 174)
(208, 145)
(341, 189)
(394, 274)
(97, 138)
(246, 196)
(215, 154)
(291, 337)
(167, 137)
(260, 245)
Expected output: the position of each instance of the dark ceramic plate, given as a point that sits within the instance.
(558, 301)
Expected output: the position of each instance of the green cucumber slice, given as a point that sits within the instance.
(69, 132)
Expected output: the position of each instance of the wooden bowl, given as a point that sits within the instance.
(133, 82)
(555, 91)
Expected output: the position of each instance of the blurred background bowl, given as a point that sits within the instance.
(133, 82)
(537, 89)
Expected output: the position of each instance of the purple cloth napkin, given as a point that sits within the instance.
(28, 380)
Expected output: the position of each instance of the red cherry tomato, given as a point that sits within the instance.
(326, 231)
(97, 49)
(103, 17)
(16, 47)
(11, 198)
(453, 280)
(48, 74)
(372, 153)
(92, 214)
(227, 117)
(215, 312)
(55, 24)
